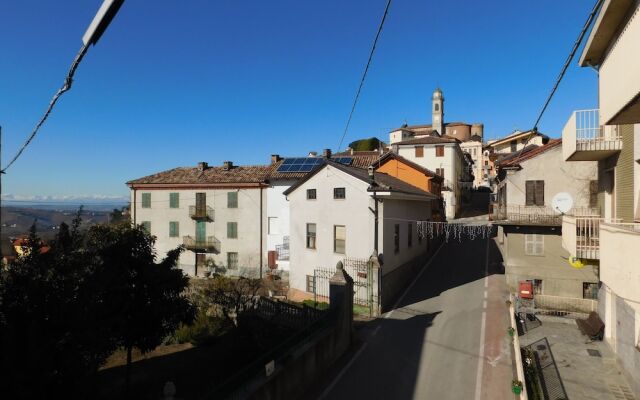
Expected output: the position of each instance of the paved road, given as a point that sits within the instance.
(446, 339)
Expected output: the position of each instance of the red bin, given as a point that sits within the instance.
(526, 290)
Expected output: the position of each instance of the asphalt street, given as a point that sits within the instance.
(445, 339)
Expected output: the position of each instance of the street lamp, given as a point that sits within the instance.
(103, 18)
(99, 24)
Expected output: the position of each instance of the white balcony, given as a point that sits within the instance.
(619, 266)
(584, 139)
(581, 235)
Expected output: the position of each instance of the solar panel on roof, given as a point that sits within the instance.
(305, 164)
(343, 160)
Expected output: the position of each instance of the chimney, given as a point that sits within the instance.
(227, 165)
(202, 165)
(275, 158)
(326, 153)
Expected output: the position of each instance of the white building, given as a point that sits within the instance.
(217, 213)
(333, 218)
(444, 156)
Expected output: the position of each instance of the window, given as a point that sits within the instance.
(146, 225)
(232, 199)
(311, 194)
(174, 229)
(396, 238)
(534, 193)
(311, 284)
(201, 203)
(439, 151)
(338, 193)
(311, 236)
(593, 194)
(537, 286)
(436, 107)
(590, 290)
(146, 200)
(232, 260)
(440, 172)
(419, 151)
(339, 238)
(486, 162)
(174, 200)
(409, 235)
(534, 244)
(232, 230)
(513, 145)
(273, 228)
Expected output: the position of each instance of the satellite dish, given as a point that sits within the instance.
(562, 202)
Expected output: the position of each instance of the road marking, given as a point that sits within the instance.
(483, 325)
(375, 332)
(484, 304)
(341, 374)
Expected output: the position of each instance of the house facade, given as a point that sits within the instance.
(530, 231)
(217, 213)
(332, 219)
(610, 136)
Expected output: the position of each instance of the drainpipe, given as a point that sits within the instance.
(261, 233)
(135, 201)
(373, 185)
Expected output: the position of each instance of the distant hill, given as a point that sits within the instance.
(17, 221)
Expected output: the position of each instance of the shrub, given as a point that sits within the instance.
(202, 331)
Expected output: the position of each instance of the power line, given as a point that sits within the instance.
(364, 75)
(587, 23)
(68, 81)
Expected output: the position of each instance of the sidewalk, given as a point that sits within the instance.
(588, 369)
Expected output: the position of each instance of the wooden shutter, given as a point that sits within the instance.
(201, 203)
(539, 193)
(439, 151)
(174, 200)
(201, 231)
(529, 193)
(419, 151)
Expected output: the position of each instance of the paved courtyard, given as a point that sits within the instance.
(586, 375)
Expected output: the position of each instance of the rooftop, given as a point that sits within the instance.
(514, 159)
(207, 175)
(429, 140)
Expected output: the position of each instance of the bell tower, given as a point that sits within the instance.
(437, 111)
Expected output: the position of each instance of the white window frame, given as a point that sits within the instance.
(534, 244)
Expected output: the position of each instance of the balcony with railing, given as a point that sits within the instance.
(283, 249)
(513, 214)
(201, 213)
(581, 235)
(584, 139)
(202, 245)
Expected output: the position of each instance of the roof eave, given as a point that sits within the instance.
(604, 30)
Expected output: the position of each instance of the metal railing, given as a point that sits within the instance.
(590, 135)
(209, 244)
(633, 227)
(196, 212)
(588, 236)
(283, 249)
(519, 214)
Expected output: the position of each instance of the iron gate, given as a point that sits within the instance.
(361, 272)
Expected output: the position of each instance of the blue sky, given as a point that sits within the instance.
(172, 83)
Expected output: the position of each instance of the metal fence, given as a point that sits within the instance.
(285, 314)
(283, 249)
(549, 379)
(361, 272)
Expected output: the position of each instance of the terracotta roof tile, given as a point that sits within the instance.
(428, 140)
(211, 175)
(515, 160)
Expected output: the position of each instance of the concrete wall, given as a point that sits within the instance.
(477, 155)
(403, 213)
(619, 249)
(558, 175)
(618, 85)
(352, 212)
(247, 215)
(559, 278)
(278, 208)
(622, 331)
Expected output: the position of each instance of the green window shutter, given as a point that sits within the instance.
(174, 229)
(232, 199)
(232, 230)
(146, 200)
(146, 225)
(174, 200)
(201, 231)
